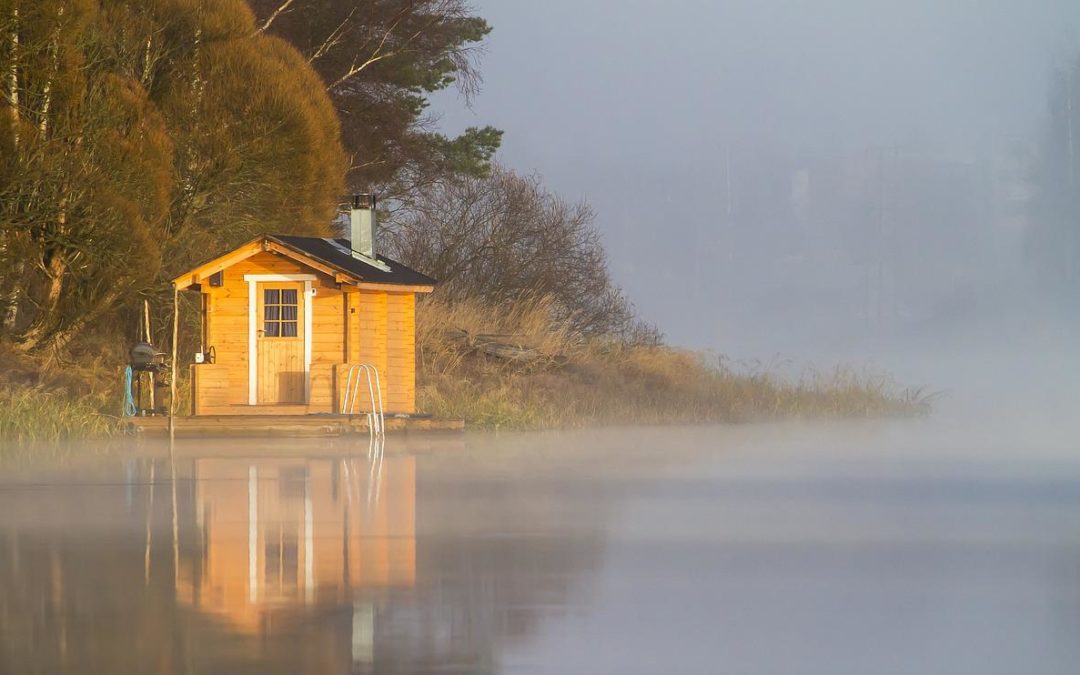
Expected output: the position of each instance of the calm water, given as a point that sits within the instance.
(863, 549)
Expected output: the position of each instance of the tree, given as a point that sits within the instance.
(380, 59)
(140, 136)
(84, 176)
(502, 237)
(258, 141)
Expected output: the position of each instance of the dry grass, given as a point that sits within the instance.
(55, 401)
(32, 414)
(577, 382)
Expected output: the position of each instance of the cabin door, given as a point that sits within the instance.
(279, 337)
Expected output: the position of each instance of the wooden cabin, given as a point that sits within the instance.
(284, 319)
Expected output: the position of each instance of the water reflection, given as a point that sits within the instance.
(227, 565)
(274, 535)
(871, 549)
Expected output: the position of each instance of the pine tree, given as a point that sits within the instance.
(380, 60)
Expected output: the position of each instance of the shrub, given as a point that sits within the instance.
(571, 380)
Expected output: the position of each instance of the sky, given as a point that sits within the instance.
(639, 106)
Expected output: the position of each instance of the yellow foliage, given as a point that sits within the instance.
(149, 135)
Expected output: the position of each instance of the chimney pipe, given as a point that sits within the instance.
(363, 223)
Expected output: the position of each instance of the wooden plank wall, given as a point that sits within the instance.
(381, 331)
(327, 343)
(401, 352)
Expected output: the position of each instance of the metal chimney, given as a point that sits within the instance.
(363, 222)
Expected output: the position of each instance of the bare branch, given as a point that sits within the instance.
(333, 39)
(355, 69)
(282, 8)
(504, 236)
(378, 55)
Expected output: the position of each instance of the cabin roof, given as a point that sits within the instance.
(331, 256)
(338, 253)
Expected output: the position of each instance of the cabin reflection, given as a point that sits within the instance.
(303, 565)
(279, 535)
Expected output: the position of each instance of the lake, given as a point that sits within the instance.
(895, 547)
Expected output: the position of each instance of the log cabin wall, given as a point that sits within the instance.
(348, 326)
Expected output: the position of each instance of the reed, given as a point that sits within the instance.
(577, 381)
(48, 401)
(36, 414)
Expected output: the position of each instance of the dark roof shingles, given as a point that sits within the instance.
(325, 251)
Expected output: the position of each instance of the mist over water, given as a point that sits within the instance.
(883, 547)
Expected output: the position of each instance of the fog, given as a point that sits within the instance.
(846, 180)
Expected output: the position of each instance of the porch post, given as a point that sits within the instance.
(172, 380)
(253, 303)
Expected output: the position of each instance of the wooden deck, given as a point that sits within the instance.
(286, 425)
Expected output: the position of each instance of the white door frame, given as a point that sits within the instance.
(253, 324)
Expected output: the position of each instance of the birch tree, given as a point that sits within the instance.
(140, 136)
(258, 145)
(9, 131)
(87, 159)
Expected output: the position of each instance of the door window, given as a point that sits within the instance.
(280, 312)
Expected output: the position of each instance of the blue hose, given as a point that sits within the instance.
(129, 403)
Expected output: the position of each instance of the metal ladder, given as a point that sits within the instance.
(356, 375)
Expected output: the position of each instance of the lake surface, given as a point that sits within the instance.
(913, 547)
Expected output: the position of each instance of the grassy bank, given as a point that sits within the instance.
(564, 381)
(560, 381)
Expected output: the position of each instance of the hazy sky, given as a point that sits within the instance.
(598, 94)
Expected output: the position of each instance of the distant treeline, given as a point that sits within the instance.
(1054, 241)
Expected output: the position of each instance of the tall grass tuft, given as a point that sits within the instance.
(48, 402)
(574, 381)
(34, 414)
